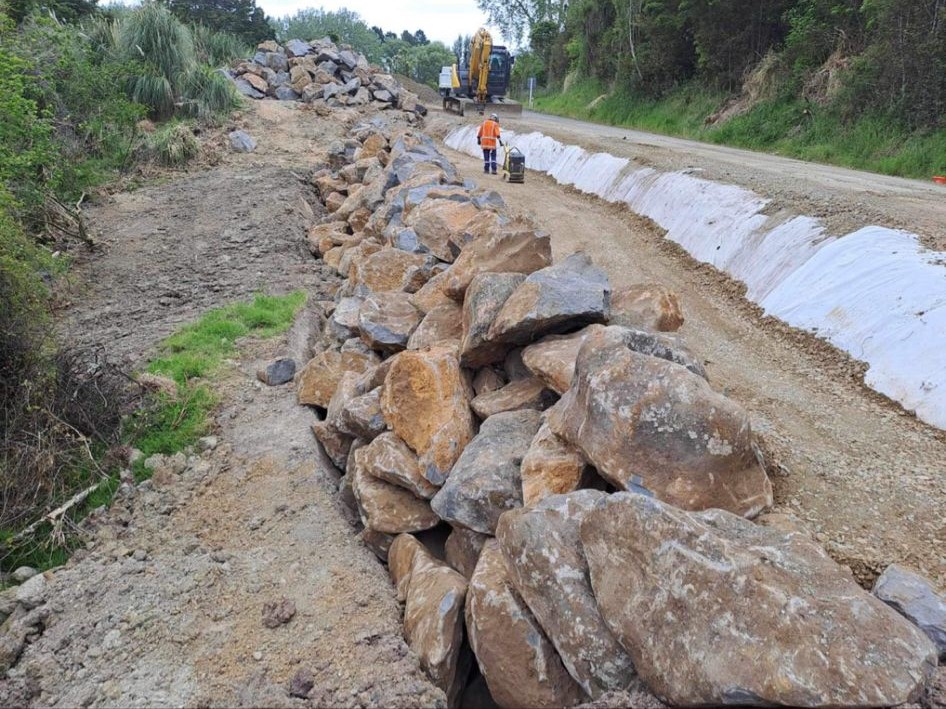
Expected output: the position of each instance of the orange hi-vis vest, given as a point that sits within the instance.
(488, 134)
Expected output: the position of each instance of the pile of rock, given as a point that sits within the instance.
(597, 491)
(320, 71)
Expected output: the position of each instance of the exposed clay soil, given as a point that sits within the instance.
(164, 606)
(866, 477)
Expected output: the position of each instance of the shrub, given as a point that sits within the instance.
(173, 144)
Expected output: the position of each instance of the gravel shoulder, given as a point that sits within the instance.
(864, 476)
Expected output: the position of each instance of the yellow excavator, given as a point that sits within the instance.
(483, 82)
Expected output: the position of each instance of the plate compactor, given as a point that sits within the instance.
(514, 165)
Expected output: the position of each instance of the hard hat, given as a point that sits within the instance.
(494, 116)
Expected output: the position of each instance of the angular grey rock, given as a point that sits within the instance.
(572, 293)
(406, 240)
(915, 598)
(277, 61)
(485, 298)
(387, 319)
(462, 549)
(546, 566)
(330, 90)
(297, 48)
(32, 592)
(279, 371)
(348, 58)
(485, 480)
(242, 142)
(382, 95)
(286, 93)
(361, 417)
(245, 88)
(716, 610)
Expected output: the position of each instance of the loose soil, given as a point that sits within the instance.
(864, 475)
(164, 605)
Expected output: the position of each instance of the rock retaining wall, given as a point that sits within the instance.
(595, 491)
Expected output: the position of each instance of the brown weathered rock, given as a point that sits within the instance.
(333, 257)
(334, 201)
(327, 184)
(426, 402)
(385, 270)
(276, 613)
(317, 381)
(521, 394)
(299, 78)
(431, 294)
(484, 299)
(354, 257)
(547, 569)
(388, 458)
(770, 618)
(433, 613)
(436, 221)
(550, 467)
(359, 218)
(485, 481)
(335, 443)
(521, 666)
(401, 562)
(444, 322)
(463, 548)
(361, 416)
(384, 507)
(553, 358)
(387, 320)
(257, 82)
(646, 423)
(572, 293)
(372, 145)
(488, 379)
(322, 237)
(512, 248)
(378, 542)
(652, 307)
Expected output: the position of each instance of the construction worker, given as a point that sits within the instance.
(486, 138)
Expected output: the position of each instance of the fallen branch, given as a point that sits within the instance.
(57, 513)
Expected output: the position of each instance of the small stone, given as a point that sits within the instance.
(207, 443)
(279, 371)
(276, 613)
(301, 684)
(241, 141)
(24, 573)
(257, 656)
(32, 592)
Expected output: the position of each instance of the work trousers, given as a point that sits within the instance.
(489, 160)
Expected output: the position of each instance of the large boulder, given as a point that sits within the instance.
(520, 394)
(520, 665)
(335, 443)
(462, 549)
(438, 221)
(426, 402)
(444, 322)
(915, 598)
(652, 426)
(317, 381)
(386, 270)
(550, 467)
(572, 293)
(361, 416)
(484, 299)
(510, 248)
(388, 458)
(485, 481)
(651, 306)
(547, 569)
(716, 610)
(434, 598)
(431, 294)
(553, 358)
(387, 320)
(384, 507)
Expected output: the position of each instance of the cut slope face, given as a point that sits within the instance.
(875, 293)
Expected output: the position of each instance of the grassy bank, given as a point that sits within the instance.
(163, 423)
(782, 127)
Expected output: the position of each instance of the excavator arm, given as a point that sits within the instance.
(480, 49)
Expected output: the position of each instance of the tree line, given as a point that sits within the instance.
(885, 57)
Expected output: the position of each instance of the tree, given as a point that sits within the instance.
(517, 17)
(420, 37)
(237, 17)
(461, 48)
(408, 37)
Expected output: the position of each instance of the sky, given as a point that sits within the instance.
(441, 20)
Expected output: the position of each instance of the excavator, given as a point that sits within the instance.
(483, 82)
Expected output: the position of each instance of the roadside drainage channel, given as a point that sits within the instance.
(875, 293)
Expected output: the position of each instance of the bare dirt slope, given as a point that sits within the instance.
(866, 477)
(164, 607)
(845, 199)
